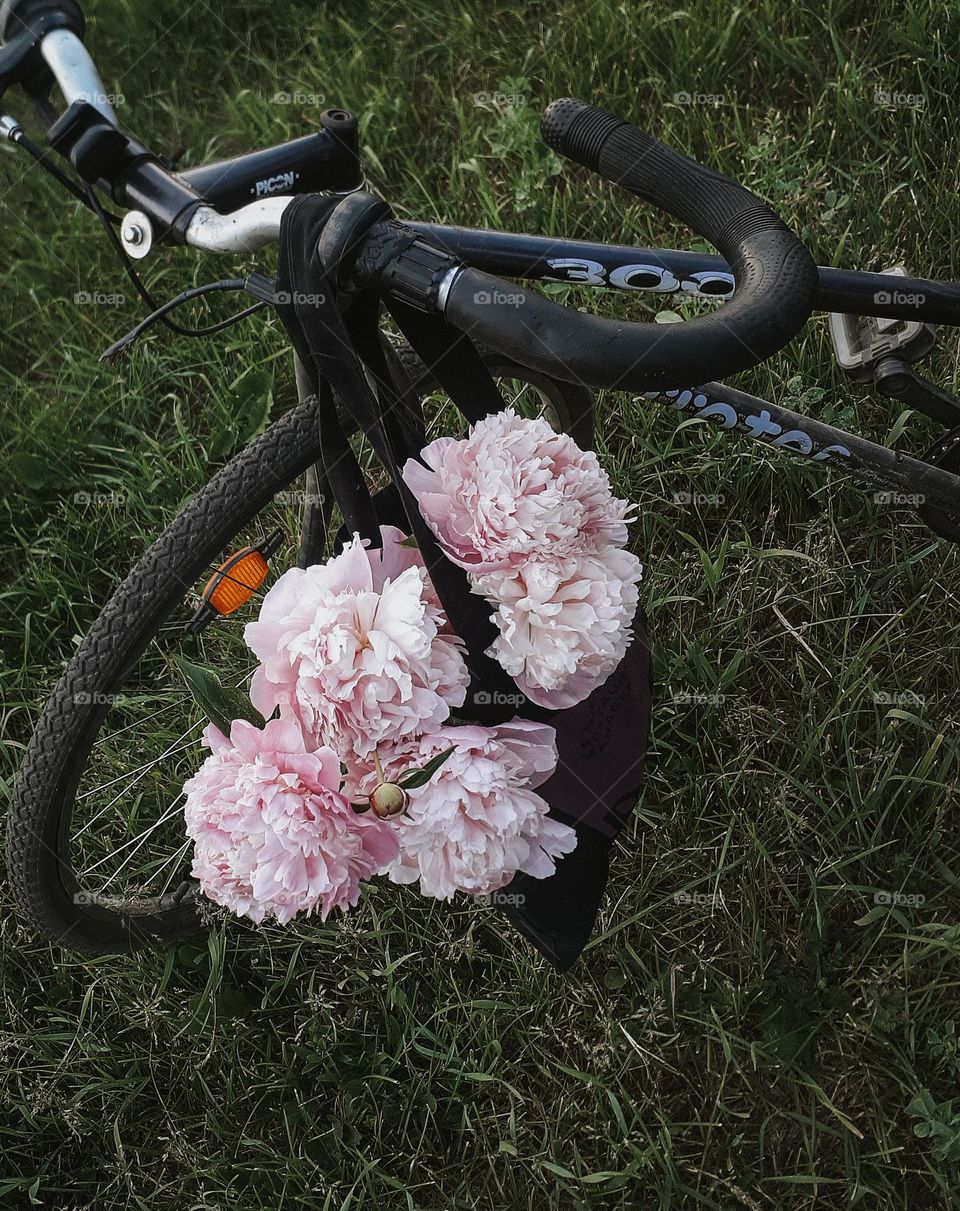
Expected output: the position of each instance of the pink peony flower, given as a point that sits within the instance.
(357, 649)
(478, 820)
(512, 491)
(273, 836)
(564, 623)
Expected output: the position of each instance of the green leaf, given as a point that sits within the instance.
(222, 443)
(252, 398)
(559, 1170)
(420, 777)
(221, 704)
(248, 404)
(31, 471)
(562, 289)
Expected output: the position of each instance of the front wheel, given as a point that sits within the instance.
(97, 857)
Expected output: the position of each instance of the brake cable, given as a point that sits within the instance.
(185, 296)
(159, 311)
(11, 129)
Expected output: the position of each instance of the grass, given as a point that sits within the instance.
(749, 1027)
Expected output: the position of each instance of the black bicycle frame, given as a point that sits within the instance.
(328, 160)
(331, 157)
(668, 272)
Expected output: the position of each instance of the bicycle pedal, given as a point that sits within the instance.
(861, 343)
(235, 582)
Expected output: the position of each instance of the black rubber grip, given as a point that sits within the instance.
(408, 268)
(776, 278)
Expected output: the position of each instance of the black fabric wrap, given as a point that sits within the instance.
(602, 740)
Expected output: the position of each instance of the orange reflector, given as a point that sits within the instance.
(235, 581)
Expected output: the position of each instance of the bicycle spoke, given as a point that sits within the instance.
(141, 837)
(174, 858)
(144, 769)
(141, 722)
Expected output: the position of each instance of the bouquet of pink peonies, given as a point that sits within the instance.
(367, 762)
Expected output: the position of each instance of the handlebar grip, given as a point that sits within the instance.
(712, 204)
(776, 278)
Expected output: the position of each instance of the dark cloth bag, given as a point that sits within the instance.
(601, 741)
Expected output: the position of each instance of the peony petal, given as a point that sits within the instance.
(272, 835)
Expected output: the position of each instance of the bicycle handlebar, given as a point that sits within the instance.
(75, 72)
(44, 38)
(776, 278)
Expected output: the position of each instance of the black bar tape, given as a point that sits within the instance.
(776, 278)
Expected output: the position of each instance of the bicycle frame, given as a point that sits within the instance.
(708, 278)
(668, 271)
(529, 257)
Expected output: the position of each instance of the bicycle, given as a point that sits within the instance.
(100, 879)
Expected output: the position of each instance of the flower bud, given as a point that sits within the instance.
(388, 799)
